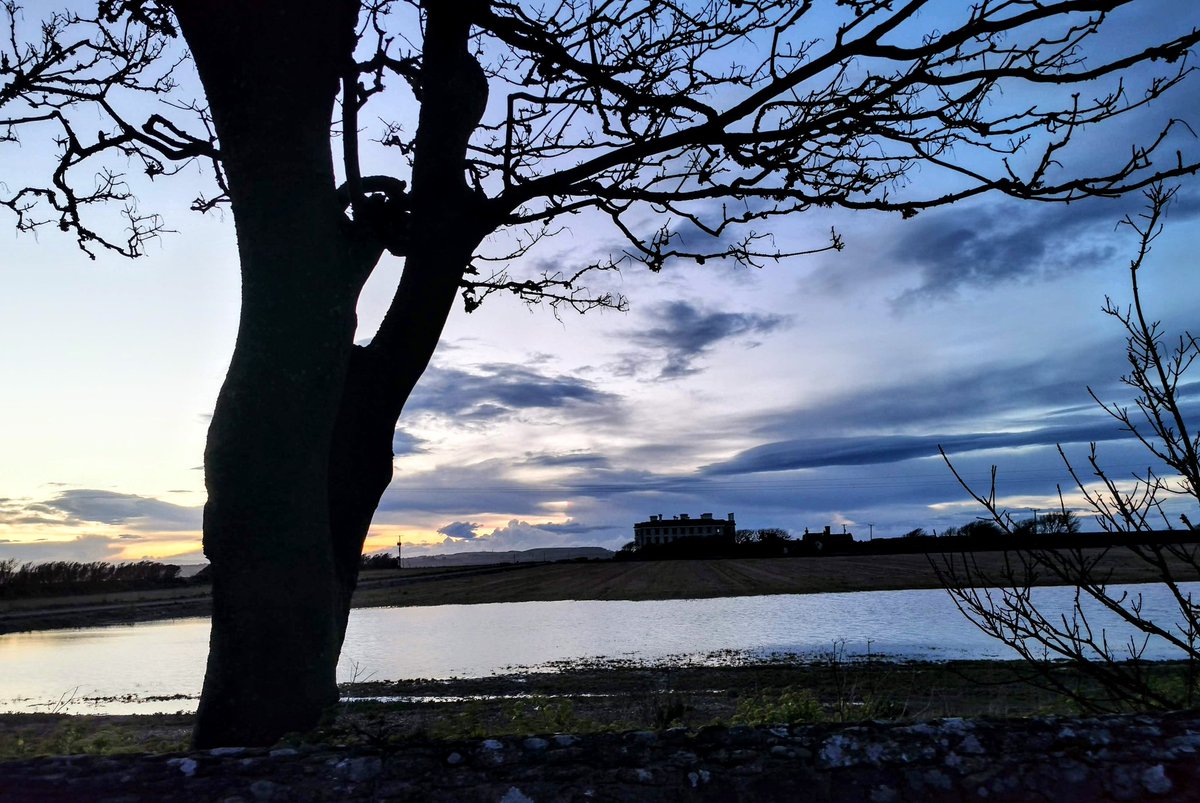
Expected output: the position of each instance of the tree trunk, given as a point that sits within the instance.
(299, 449)
(270, 75)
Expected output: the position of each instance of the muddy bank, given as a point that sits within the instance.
(640, 733)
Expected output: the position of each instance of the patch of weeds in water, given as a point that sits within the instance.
(667, 709)
(381, 726)
(470, 722)
(539, 714)
(779, 707)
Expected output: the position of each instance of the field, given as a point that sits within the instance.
(594, 580)
(686, 579)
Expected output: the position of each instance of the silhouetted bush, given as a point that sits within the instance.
(381, 560)
(73, 577)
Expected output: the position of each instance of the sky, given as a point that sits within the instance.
(809, 393)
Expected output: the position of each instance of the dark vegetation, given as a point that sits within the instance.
(380, 560)
(606, 697)
(829, 687)
(59, 578)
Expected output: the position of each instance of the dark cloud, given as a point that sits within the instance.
(870, 449)
(463, 490)
(986, 245)
(405, 443)
(489, 487)
(520, 534)
(108, 507)
(496, 390)
(568, 460)
(685, 332)
(575, 528)
(461, 530)
(1022, 392)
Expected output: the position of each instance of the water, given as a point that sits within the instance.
(159, 666)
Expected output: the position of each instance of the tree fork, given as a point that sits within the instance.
(448, 221)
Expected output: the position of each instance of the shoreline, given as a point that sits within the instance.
(529, 582)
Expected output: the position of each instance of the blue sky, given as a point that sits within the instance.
(804, 394)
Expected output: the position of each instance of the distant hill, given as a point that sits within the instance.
(549, 554)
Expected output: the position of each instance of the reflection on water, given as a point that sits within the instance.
(145, 668)
(60, 669)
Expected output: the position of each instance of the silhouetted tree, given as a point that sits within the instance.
(1056, 522)
(763, 542)
(773, 535)
(69, 577)
(745, 537)
(1000, 602)
(381, 560)
(686, 126)
(973, 529)
(982, 529)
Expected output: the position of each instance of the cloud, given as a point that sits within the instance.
(456, 490)
(80, 506)
(983, 245)
(521, 534)
(405, 443)
(461, 530)
(870, 449)
(83, 548)
(108, 507)
(686, 332)
(988, 396)
(589, 460)
(497, 390)
(986, 245)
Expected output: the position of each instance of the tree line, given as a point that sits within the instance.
(18, 580)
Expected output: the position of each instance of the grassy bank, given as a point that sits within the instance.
(601, 697)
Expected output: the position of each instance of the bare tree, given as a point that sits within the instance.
(1134, 509)
(686, 127)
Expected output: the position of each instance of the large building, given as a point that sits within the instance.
(664, 531)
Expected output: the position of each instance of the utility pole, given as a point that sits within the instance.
(871, 532)
(400, 551)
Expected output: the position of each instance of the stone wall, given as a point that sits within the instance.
(1127, 758)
